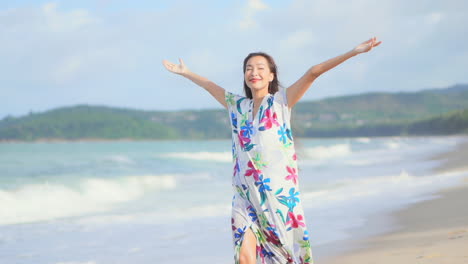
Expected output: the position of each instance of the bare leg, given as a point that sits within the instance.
(248, 251)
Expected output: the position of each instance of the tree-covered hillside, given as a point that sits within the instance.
(84, 121)
(436, 111)
(383, 107)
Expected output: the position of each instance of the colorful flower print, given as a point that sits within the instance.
(294, 221)
(269, 119)
(292, 174)
(252, 171)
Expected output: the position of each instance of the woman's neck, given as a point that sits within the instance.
(259, 94)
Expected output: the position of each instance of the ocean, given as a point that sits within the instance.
(169, 201)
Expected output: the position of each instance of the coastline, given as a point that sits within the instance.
(99, 140)
(64, 140)
(430, 231)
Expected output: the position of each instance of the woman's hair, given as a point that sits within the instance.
(274, 85)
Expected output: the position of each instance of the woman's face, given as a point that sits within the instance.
(257, 74)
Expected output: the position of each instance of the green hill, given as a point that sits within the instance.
(428, 112)
(84, 121)
(450, 123)
(455, 122)
(384, 107)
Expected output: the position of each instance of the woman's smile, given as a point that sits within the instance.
(257, 73)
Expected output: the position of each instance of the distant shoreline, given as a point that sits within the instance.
(425, 113)
(61, 140)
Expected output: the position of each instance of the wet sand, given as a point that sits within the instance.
(432, 231)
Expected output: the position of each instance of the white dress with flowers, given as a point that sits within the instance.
(265, 181)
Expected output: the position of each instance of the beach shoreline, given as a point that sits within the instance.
(430, 231)
(84, 140)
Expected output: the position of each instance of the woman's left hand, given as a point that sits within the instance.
(367, 45)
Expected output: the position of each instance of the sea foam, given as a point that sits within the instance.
(328, 152)
(383, 190)
(202, 156)
(45, 201)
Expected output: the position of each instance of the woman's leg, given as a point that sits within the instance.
(248, 251)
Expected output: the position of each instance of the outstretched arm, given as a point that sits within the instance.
(216, 91)
(298, 89)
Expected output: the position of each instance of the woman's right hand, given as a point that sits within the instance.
(176, 68)
(216, 91)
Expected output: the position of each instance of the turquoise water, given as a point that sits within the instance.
(134, 202)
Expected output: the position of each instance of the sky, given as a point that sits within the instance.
(105, 52)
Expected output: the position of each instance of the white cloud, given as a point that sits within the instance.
(67, 68)
(105, 57)
(297, 40)
(56, 21)
(53, 47)
(434, 18)
(252, 8)
(77, 262)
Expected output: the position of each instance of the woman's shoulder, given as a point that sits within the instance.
(231, 94)
(280, 96)
(236, 101)
(233, 97)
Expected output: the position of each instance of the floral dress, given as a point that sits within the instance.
(265, 181)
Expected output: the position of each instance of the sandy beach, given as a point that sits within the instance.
(432, 231)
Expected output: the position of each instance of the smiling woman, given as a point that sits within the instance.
(268, 220)
(258, 65)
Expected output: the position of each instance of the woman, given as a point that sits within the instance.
(267, 217)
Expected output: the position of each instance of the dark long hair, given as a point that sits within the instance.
(274, 85)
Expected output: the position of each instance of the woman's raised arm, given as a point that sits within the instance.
(216, 91)
(298, 89)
